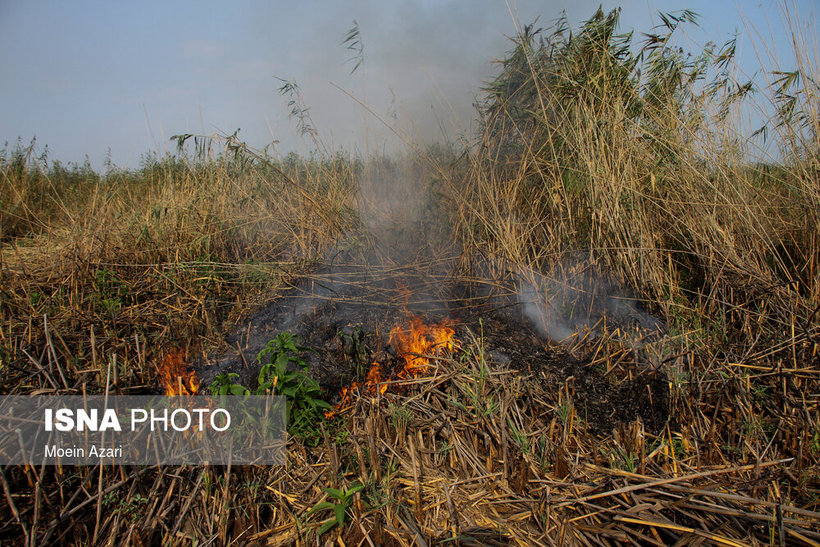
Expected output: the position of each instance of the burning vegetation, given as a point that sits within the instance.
(415, 343)
(174, 375)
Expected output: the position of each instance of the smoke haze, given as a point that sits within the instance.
(576, 298)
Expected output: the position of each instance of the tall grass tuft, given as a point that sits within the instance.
(630, 150)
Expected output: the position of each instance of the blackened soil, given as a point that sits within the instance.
(601, 401)
(345, 318)
(343, 313)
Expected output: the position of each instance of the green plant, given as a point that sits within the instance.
(131, 509)
(305, 406)
(678, 448)
(444, 449)
(622, 459)
(380, 493)
(256, 273)
(542, 451)
(399, 417)
(520, 437)
(564, 412)
(354, 342)
(224, 384)
(35, 297)
(111, 305)
(110, 291)
(344, 499)
(479, 400)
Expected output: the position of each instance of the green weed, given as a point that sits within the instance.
(340, 507)
(305, 407)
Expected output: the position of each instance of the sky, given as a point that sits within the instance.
(102, 80)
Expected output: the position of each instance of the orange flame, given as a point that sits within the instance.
(415, 344)
(419, 341)
(175, 376)
(373, 384)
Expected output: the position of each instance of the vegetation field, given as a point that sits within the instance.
(609, 165)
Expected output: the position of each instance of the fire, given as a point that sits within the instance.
(415, 344)
(373, 384)
(175, 376)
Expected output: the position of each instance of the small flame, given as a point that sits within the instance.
(418, 341)
(415, 344)
(175, 376)
(373, 384)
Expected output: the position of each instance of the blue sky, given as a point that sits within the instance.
(88, 76)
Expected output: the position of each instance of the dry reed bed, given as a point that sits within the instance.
(473, 453)
(125, 265)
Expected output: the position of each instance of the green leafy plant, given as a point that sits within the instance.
(305, 406)
(343, 501)
(130, 509)
(110, 291)
(224, 384)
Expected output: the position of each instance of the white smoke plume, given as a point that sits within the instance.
(565, 304)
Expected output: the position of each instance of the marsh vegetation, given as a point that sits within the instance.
(602, 154)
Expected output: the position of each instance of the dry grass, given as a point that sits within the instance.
(473, 453)
(159, 257)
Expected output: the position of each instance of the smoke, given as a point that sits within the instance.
(409, 243)
(578, 299)
(423, 65)
(391, 199)
(534, 297)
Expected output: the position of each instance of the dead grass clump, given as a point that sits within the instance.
(637, 159)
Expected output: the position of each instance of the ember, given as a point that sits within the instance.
(175, 376)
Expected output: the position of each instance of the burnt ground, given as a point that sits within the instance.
(602, 400)
(345, 313)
